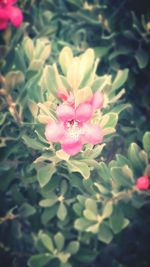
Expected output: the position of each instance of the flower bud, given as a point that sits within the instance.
(143, 183)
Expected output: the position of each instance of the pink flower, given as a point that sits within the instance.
(143, 183)
(73, 128)
(9, 13)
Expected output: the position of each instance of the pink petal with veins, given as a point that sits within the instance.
(54, 132)
(72, 148)
(16, 16)
(97, 100)
(62, 95)
(65, 113)
(92, 134)
(84, 112)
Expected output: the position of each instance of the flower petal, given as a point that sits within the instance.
(65, 113)
(84, 112)
(92, 134)
(3, 24)
(54, 132)
(97, 100)
(62, 95)
(16, 16)
(72, 147)
(4, 15)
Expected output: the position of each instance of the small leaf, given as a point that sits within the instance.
(73, 247)
(117, 220)
(93, 228)
(45, 174)
(62, 155)
(48, 214)
(104, 171)
(39, 260)
(46, 240)
(49, 201)
(14, 78)
(120, 79)
(28, 47)
(81, 167)
(108, 209)
(146, 142)
(120, 178)
(26, 210)
(67, 264)
(65, 59)
(59, 241)
(63, 257)
(102, 189)
(142, 58)
(133, 153)
(48, 81)
(91, 205)
(105, 234)
(62, 212)
(33, 143)
(81, 224)
(89, 215)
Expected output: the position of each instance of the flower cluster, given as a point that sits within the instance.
(73, 128)
(9, 14)
(143, 183)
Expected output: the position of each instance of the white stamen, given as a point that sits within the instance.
(73, 129)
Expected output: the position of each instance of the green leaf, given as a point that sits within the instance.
(63, 187)
(49, 201)
(78, 209)
(93, 228)
(142, 58)
(146, 142)
(86, 255)
(104, 171)
(62, 211)
(120, 79)
(63, 257)
(67, 264)
(89, 215)
(14, 78)
(45, 173)
(65, 59)
(47, 241)
(81, 224)
(48, 214)
(81, 167)
(97, 150)
(109, 120)
(105, 234)
(73, 247)
(101, 51)
(117, 220)
(33, 143)
(133, 154)
(102, 189)
(59, 241)
(48, 81)
(28, 47)
(108, 209)
(91, 205)
(101, 83)
(120, 178)
(26, 210)
(39, 260)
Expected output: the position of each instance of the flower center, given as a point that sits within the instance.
(74, 129)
